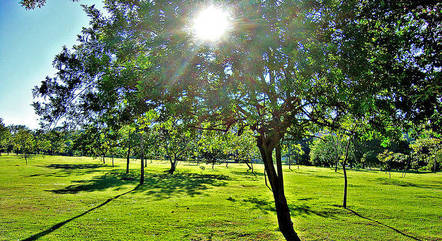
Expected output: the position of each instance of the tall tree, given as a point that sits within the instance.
(285, 67)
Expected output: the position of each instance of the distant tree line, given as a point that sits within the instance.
(168, 141)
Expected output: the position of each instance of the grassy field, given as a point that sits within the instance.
(72, 198)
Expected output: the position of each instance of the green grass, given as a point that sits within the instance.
(72, 198)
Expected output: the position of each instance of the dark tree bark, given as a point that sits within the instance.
(266, 146)
(128, 155)
(289, 158)
(173, 161)
(142, 162)
(344, 163)
(113, 161)
(250, 166)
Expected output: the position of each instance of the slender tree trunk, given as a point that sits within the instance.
(145, 163)
(336, 165)
(276, 181)
(344, 203)
(142, 162)
(26, 159)
(289, 157)
(113, 161)
(344, 163)
(250, 166)
(128, 156)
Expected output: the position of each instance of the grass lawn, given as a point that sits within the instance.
(77, 198)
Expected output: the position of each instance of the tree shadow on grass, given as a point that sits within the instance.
(157, 185)
(75, 166)
(375, 221)
(108, 180)
(165, 185)
(64, 170)
(60, 224)
(401, 183)
(295, 210)
(248, 173)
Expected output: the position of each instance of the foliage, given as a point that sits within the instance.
(327, 150)
(5, 137)
(428, 151)
(24, 142)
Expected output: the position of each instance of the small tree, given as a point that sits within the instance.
(429, 151)
(24, 143)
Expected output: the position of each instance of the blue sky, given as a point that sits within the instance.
(29, 40)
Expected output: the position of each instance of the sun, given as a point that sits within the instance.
(211, 24)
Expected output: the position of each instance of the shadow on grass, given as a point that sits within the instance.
(157, 185)
(248, 173)
(60, 224)
(327, 177)
(295, 210)
(64, 170)
(375, 221)
(75, 166)
(108, 180)
(401, 183)
(165, 185)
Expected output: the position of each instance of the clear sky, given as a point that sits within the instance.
(29, 40)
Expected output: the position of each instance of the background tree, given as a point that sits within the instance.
(24, 143)
(5, 136)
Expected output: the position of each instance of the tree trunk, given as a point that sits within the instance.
(344, 203)
(172, 166)
(113, 161)
(266, 147)
(142, 162)
(344, 163)
(289, 158)
(336, 166)
(128, 160)
(26, 159)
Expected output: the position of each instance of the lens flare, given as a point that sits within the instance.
(211, 24)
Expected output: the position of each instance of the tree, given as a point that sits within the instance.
(327, 151)
(175, 141)
(285, 68)
(24, 143)
(429, 151)
(5, 136)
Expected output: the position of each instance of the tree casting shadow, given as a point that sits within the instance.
(375, 221)
(59, 225)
